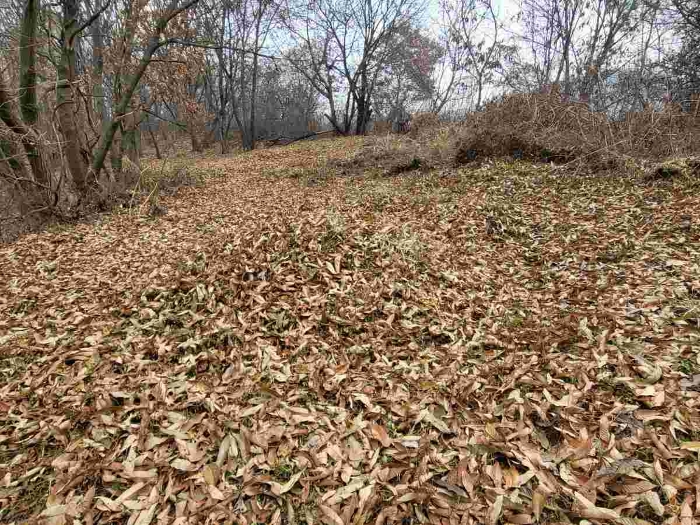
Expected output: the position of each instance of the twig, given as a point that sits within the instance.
(178, 124)
(90, 20)
(133, 192)
(149, 196)
(308, 136)
(217, 47)
(589, 154)
(225, 501)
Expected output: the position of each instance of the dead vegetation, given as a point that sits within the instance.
(488, 344)
(543, 128)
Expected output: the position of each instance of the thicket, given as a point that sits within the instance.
(545, 128)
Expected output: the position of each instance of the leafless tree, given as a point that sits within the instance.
(577, 45)
(240, 31)
(343, 45)
(408, 78)
(288, 104)
(475, 33)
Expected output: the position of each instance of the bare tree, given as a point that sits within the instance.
(448, 73)
(22, 125)
(313, 59)
(577, 45)
(684, 65)
(612, 23)
(475, 31)
(288, 103)
(344, 45)
(549, 34)
(407, 78)
(240, 31)
(689, 11)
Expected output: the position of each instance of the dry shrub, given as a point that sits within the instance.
(422, 122)
(542, 127)
(389, 154)
(533, 127)
(536, 128)
(396, 153)
(659, 134)
(15, 217)
(208, 139)
(381, 127)
(168, 176)
(235, 140)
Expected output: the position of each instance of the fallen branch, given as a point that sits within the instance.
(278, 140)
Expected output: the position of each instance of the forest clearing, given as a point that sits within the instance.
(296, 338)
(349, 262)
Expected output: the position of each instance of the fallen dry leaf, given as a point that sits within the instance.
(468, 346)
(379, 433)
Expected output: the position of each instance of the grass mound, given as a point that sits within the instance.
(543, 127)
(540, 128)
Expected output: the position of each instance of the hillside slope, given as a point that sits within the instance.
(504, 344)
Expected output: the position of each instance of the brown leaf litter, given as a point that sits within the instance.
(495, 345)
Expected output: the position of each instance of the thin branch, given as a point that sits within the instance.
(219, 47)
(178, 124)
(94, 17)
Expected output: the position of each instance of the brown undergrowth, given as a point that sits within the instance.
(544, 129)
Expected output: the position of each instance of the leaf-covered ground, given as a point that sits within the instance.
(508, 344)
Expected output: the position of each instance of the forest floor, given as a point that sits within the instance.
(296, 343)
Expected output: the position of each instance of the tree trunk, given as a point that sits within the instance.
(65, 102)
(225, 132)
(26, 135)
(27, 57)
(243, 124)
(362, 104)
(154, 140)
(359, 128)
(221, 79)
(253, 96)
(131, 139)
(363, 114)
(221, 117)
(254, 77)
(349, 114)
(115, 152)
(29, 109)
(98, 92)
(479, 92)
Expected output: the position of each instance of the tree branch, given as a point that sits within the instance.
(178, 124)
(219, 47)
(92, 18)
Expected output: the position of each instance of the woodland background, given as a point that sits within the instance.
(86, 86)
